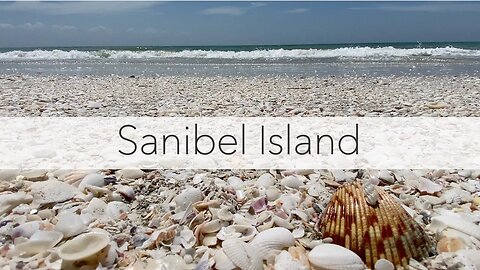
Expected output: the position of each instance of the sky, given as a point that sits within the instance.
(58, 24)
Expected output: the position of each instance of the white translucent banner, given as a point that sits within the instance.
(239, 143)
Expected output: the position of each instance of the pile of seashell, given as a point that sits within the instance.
(247, 219)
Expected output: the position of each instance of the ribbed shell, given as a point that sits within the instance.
(384, 230)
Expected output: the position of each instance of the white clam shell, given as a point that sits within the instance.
(10, 201)
(52, 191)
(83, 246)
(265, 180)
(424, 185)
(129, 173)
(39, 242)
(271, 240)
(222, 262)
(240, 232)
(334, 257)
(272, 193)
(116, 209)
(384, 264)
(291, 181)
(93, 179)
(188, 196)
(454, 221)
(211, 226)
(70, 224)
(235, 182)
(242, 255)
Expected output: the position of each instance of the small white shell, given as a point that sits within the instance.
(188, 196)
(116, 209)
(126, 192)
(271, 240)
(224, 214)
(83, 246)
(240, 232)
(291, 182)
(285, 260)
(334, 257)
(211, 226)
(93, 179)
(384, 264)
(70, 224)
(10, 201)
(371, 194)
(128, 173)
(235, 182)
(242, 255)
(39, 242)
(272, 193)
(454, 221)
(222, 262)
(265, 180)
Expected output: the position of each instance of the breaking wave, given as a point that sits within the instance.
(342, 53)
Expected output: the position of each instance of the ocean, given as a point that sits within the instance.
(431, 58)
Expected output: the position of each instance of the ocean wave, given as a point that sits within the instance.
(343, 53)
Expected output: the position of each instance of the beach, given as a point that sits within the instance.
(164, 218)
(275, 95)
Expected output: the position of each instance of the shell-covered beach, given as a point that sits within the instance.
(239, 219)
(243, 219)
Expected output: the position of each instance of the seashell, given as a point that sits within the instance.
(385, 230)
(70, 224)
(39, 242)
(116, 210)
(450, 244)
(291, 182)
(83, 246)
(93, 179)
(52, 191)
(235, 182)
(454, 221)
(371, 193)
(272, 194)
(187, 238)
(222, 262)
(258, 206)
(457, 195)
(35, 175)
(334, 257)
(240, 232)
(266, 226)
(211, 226)
(271, 240)
(210, 240)
(280, 222)
(265, 180)
(9, 201)
(384, 264)
(189, 196)
(242, 255)
(285, 260)
(298, 232)
(129, 173)
(96, 208)
(126, 192)
(224, 214)
(385, 176)
(424, 185)
(26, 229)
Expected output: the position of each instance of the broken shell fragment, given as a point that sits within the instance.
(385, 230)
(83, 246)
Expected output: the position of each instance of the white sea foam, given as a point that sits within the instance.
(347, 52)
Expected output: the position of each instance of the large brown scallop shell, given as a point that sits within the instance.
(384, 230)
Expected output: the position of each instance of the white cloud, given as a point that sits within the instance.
(6, 26)
(63, 27)
(31, 26)
(67, 8)
(423, 7)
(231, 10)
(98, 28)
(297, 10)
